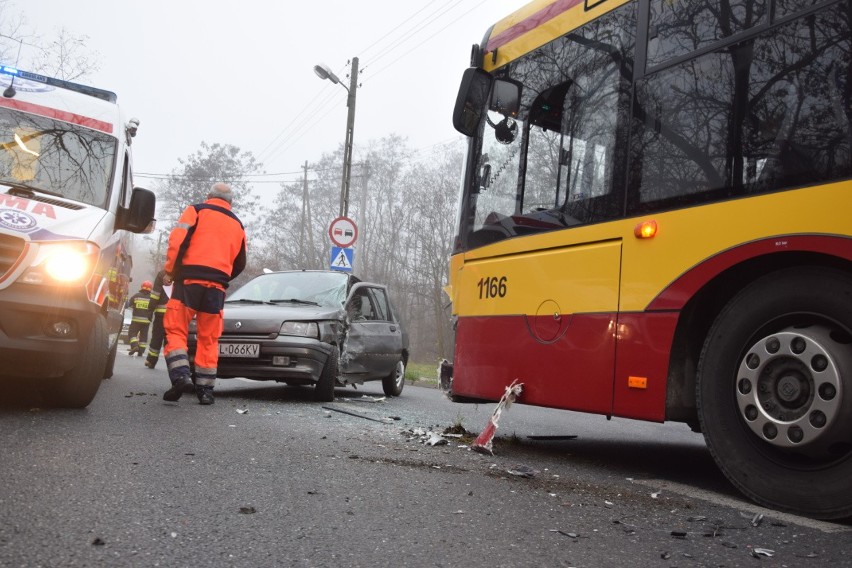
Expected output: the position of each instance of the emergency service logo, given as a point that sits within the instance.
(17, 220)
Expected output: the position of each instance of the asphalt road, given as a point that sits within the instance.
(267, 477)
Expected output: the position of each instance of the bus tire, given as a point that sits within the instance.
(324, 389)
(774, 391)
(78, 387)
(393, 383)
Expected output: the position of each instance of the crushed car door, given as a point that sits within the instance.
(373, 343)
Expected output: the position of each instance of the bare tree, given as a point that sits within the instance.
(63, 55)
(66, 57)
(192, 181)
(406, 218)
(12, 34)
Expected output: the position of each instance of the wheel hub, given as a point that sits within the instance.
(789, 388)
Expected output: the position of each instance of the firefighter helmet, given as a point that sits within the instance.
(147, 285)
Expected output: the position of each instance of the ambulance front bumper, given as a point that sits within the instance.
(43, 329)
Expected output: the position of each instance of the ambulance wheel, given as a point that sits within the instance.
(393, 383)
(110, 364)
(324, 389)
(78, 387)
(774, 391)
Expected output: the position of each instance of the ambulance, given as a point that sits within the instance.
(68, 209)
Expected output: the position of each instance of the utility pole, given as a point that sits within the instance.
(323, 72)
(306, 217)
(347, 147)
(302, 256)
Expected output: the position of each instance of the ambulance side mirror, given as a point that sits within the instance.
(139, 217)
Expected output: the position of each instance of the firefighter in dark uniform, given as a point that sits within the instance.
(158, 311)
(139, 322)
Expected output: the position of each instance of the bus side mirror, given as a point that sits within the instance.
(472, 100)
(139, 217)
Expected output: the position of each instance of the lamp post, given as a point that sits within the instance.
(323, 72)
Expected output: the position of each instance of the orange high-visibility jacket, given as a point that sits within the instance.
(208, 243)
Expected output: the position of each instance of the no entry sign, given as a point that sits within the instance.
(343, 232)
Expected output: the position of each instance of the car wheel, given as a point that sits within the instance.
(393, 383)
(110, 364)
(77, 387)
(774, 391)
(324, 389)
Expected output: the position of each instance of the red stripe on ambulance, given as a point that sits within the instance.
(65, 116)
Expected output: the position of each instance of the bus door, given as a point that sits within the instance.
(543, 312)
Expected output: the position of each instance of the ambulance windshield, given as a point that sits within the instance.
(56, 157)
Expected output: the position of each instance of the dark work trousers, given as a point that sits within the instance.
(203, 301)
(138, 334)
(158, 335)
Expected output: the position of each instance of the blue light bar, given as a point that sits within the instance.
(86, 90)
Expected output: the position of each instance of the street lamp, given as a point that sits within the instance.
(323, 72)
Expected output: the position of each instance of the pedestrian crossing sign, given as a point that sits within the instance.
(341, 258)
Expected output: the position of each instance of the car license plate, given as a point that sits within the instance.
(247, 350)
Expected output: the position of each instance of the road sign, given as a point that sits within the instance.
(343, 232)
(341, 258)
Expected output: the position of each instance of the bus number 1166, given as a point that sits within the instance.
(492, 287)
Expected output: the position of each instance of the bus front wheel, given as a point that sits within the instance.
(774, 391)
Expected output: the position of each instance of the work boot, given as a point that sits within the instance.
(149, 364)
(205, 394)
(177, 390)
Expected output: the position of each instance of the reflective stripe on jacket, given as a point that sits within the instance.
(140, 302)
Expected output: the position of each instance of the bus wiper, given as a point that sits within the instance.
(22, 189)
(294, 301)
(244, 301)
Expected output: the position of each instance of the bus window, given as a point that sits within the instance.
(705, 132)
(679, 28)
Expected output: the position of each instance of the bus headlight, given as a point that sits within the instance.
(62, 263)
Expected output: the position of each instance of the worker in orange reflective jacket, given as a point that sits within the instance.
(207, 249)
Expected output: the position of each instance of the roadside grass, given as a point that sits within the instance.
(422, 374)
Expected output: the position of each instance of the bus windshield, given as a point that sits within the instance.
(558, 170)
(56, 157)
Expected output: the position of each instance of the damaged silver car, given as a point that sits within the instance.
(312, 327)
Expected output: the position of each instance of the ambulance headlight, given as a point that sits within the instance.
(62, 263)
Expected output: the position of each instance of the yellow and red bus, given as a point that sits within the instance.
(656, 223)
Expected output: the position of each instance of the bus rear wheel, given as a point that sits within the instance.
(774, 391)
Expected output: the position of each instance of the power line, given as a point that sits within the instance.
(296, 134)
(392, 63)
(185, 177)
(414, 30)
